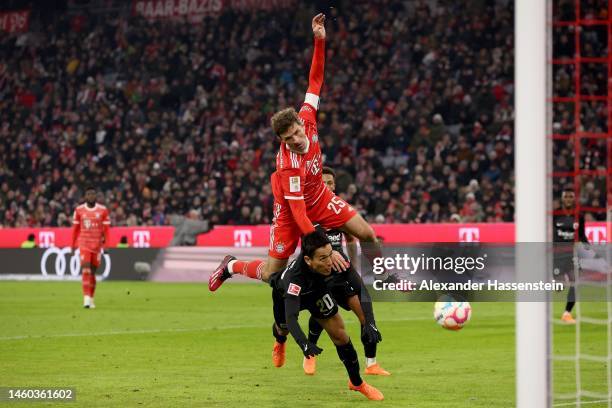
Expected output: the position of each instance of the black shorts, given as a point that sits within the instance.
(320, 304)
(563, 265)
(341, 290)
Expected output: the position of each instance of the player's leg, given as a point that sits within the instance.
(567, 317)
(284, 238)
(95, 263)
(85, 257)
(334, 326)
(337, 213)
(358, 227)
(279, 330)
(314, 332)
(369, 347)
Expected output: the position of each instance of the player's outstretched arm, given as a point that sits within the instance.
(76, 229)
(292, 310)
(315, 79)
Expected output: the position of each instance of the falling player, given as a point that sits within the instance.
(90, 228)
(302, 286)
(348, 290)
(299, 193)
(567, 230)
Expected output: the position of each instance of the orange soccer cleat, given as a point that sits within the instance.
(371, 393)
(278, 354)
(376, 369)
(310, 365)
(566, 317)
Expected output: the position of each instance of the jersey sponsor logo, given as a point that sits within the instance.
(87, 223)
(66, 261)
(294, 184)
(294, 289)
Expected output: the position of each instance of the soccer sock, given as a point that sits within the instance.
(348, 356)
(251, 269)
(280, 338)
(314, 330)
(571, 299)
(92, 283)
(369, 350)
(86, 280)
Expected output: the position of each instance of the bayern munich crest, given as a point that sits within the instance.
(280, 248)
(315, 138)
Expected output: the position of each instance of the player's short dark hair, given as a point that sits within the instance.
(329, 170)
(282, 120)
(313, 241)
(90, 187)
(567, 189)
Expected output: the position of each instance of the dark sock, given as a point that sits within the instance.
(348, 356)
(369, 349)
(314, 330)
(571, 299)
(280, 338)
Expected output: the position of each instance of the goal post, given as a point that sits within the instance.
(532, 192)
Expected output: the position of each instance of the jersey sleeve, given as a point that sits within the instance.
(292, 179)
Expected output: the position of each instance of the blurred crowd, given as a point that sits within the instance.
(416, 113)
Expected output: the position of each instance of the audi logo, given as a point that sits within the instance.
(64, 260)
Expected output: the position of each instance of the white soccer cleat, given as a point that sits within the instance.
(87, 302)
(92, 305)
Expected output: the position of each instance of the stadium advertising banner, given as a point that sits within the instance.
(60, 263)
(247, 236)
(196, 10)
(15, 21)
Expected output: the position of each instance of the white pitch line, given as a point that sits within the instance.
(154, 331)
(566, 404)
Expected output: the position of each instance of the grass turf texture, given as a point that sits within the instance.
(152, 344)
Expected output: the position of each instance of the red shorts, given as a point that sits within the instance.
(93, 257)
(330, 212)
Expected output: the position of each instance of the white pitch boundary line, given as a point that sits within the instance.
(154, 331)
(566, 404)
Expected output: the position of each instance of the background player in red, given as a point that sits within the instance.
(299, 192)
(90, 227)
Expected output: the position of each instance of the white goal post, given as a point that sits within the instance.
(531, 200)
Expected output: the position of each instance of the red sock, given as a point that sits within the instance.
(86, 278)
(251, 269)
(92, 284)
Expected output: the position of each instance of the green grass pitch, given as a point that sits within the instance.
(171, 345)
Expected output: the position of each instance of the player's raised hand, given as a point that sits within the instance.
(310, 350)
(318, 25)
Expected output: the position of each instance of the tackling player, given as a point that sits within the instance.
(299, 193)
(90, 228)
(348, 290)
(302, 286)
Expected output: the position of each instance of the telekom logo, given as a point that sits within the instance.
(469, 235)
(142, 239)
(46, 239)
(596, 235)
(243, 238)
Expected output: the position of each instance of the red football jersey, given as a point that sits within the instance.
(91, 224)
(298, 176)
